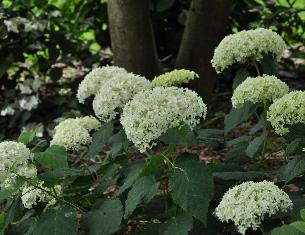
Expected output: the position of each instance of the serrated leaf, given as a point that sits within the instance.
(105, 218)
(100, 139)
(57, 221)
(237, 116)
(180, 225)
(240, 76)
(55, 157)
(143, 190)
(192, 188)
(293, 169)
(26, 137)
(255, 146)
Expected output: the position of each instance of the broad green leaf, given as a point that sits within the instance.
(164, 5)
(239, 175)
(285, 230)
(192, 188)
(211, 137)
(153, 164)
(143, 190)
(240, 76)
(26, 137)
(104, 219)
(295, 146)
(57, 221)
(14, 209)
(179, 137)
(268, 65)
(256, 146)
(237, 116)
(258, 126)
(100, 139)
(180, 225)
(302, 214)
(299, 225)
(55, 157)
(236, 149)
(2, 219)
(293, 169)
(131, 176)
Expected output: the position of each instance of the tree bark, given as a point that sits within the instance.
(205, 27)
(132, 37)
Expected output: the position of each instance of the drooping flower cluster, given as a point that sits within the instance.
(174, 78)
(15, 160)
(93, 81)
(288, 110)
(259, 90)
(247, 204)
(245, 45)
(152, 112)
(115, 93)
(30, 195)
(73, 133)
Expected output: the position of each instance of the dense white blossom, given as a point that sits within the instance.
(14, 159)
(288, 110)
(28, 103)
(174, 78)
(93, 81)
(249, 203)
(31, 195)
(259, 90)
(9, 110)
(14, 23)
(152, 112)
(247, 45)
(115, 93)
(73, 133)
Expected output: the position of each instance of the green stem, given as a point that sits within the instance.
(265, 128)
(257, 69)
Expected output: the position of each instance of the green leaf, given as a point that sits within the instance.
(256, 146)
(2, 219)
(258, 126)
(302, 214)
(57, 221)
(153, 164)
(164, 5)
(211, 137)
(239, 175)
(105, 217)
(55, 157)
(293, 169)
(13, 210)
(143, 190)
(268, 65)
(285, 230)
(192, 188)
(299, 225)
(180, 225)
(26, 137)
(294, 147)
(237, 116)
(100, 139)
(240, 76)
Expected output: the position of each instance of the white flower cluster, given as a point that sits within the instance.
(247, 204)
(152, 112)
(73, 133)
(288, 110)
(259, 90)
(14, 159)
(174, 78)
(115, 93)
(30, 195)
(245, 45)
(93, 81)
(13, 25)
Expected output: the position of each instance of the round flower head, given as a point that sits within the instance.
(152, 112)
(14, 159)
(73, 133)
(244, 45)
(115, 93)
(288, 110)
(259, 90)
(93, 80)
(247, 204)
(174, 78)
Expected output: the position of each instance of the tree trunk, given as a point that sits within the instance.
(205, 27)
(132, 37)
